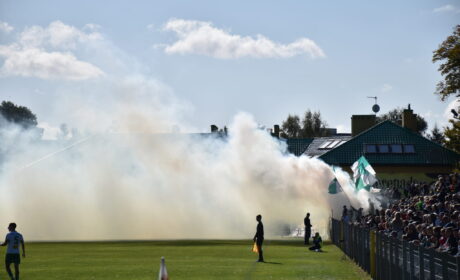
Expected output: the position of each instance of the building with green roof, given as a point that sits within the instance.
(397, 154)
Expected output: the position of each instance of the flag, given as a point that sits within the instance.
(363, 174)
(334, 186)
(255, 249)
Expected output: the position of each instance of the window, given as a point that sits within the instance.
(396, 149)
(409, 149)
(384, 149)
(370, 149)
(333, 144)
(325, 144)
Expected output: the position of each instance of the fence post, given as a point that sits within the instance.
(411, 262)
(433, 253)
(421, 262)
(404, 260)
(444, 265)
(458, 268)
(396, 259)
(372, 252)
(391, 260)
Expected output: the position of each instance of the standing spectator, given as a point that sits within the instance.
(14, 240)
(259, 237)
(307, 224)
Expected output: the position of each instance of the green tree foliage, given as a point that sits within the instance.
(437, 135)
(19, 115)
(449, 53)
(452, 133)
(291, 127)
(395, 116)
(311, 125)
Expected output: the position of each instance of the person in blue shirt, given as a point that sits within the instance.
(13, 240)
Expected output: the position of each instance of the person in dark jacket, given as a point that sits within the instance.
(307, 224)
(316, 243)
(259, 237)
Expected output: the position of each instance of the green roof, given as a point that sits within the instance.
(427, 152)
(298, 146)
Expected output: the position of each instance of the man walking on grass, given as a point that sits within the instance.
(13, 240)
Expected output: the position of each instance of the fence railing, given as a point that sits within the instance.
(387, 258)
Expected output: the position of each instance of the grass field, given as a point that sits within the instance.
(184, 260)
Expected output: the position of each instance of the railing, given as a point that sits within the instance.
(387, 258)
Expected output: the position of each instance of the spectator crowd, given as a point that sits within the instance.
(424, 214)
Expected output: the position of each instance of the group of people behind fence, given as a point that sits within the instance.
(426, 215)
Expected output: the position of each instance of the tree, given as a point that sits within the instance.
(452, 134)
(311, 126)
(19, 115)
(395, 116)
(449, 51)
(291, 127)
(437, 135)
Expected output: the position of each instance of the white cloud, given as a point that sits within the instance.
(46, 53)
(5, 27)
(386, 88)
(33, 62)
(151, 26)
(57, 35)
(447, 9)
(198, 37)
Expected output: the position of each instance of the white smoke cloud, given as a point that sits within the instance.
(199, 37)
(123, 175)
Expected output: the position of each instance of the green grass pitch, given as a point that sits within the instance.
(194, 259)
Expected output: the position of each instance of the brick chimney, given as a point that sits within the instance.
(276, 131)
(409, 119)
(360, 123)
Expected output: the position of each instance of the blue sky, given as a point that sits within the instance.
(213, 59)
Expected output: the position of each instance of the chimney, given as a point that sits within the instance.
(409, 119)
(276, 130)
(360, 123)
(214, 128)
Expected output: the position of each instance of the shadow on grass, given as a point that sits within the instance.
(272, 263)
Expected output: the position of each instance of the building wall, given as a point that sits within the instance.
(403, 175)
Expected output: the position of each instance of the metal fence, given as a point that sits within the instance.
(387, 258)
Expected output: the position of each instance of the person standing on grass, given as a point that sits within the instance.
(259, 237)
(13, 240)
(307, 224)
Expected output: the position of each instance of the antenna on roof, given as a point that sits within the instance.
(376, 107)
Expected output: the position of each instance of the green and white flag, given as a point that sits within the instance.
(334, 186)
(363, 174)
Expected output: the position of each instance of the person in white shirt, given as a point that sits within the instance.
(13, 240)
